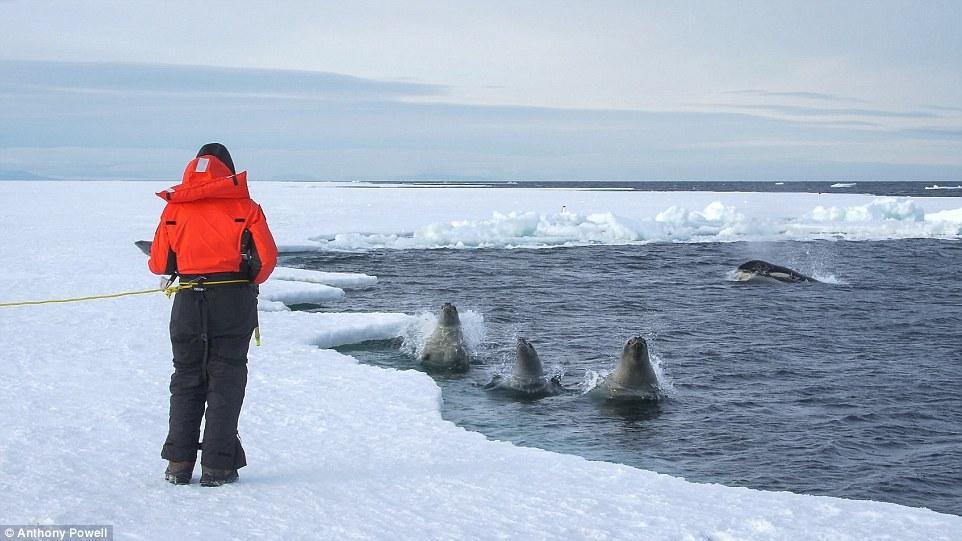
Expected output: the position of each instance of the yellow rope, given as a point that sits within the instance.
(79, 299)
(166, 290)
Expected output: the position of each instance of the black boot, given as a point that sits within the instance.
(179, 473)
(212, 477)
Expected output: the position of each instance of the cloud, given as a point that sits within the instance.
(822, 111)
(821, 96)
(944, 108)
(935, 133)
(844, 123)
(187, 81)
(141, 121)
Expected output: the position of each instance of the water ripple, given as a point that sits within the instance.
(847, 389)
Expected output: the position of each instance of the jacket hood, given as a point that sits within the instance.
(207, 177)
(218, 151)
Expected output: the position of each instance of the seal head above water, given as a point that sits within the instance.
(527, 378)
(634, 378)
(444, 349)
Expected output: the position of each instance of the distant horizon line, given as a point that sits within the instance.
(490, 181)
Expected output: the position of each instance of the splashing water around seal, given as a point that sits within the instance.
(444, 350)
(528, 377)
(634, 378)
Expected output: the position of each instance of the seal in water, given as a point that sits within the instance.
(527, 377)
(763, 269)
(634, 378)
(444, 350)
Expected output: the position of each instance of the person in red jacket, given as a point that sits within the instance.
(215, 238)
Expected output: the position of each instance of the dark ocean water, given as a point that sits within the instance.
(948, 188)
(850, 389)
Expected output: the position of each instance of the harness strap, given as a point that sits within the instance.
(200, 285)
(204, 312)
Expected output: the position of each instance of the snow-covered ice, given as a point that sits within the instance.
(290, 292)
(459, 217)
(343, 450)
(343, 280)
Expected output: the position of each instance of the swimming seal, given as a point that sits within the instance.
(444, 350)
(527, 377)
(634, 378)
(763, 269)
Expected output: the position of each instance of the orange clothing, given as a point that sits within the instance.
(202, 226)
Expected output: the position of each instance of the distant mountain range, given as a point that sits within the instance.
(9, 174)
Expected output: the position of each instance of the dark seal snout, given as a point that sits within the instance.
(449, 315)
(636, 349)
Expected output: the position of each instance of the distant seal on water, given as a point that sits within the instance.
(634, 378)
(763, 269)
(527, 377)
(444, 349)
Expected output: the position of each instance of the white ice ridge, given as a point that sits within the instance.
(330, 330)
(336, 449)
(343, 280)
(289, 292)
(881, 218)
(289, 286)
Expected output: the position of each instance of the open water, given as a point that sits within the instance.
(851, 387)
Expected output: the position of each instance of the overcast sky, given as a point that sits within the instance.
(497, 90)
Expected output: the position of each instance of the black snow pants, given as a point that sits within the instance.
(210, 331)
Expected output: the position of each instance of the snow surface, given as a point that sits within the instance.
(343, 280)
(343, 450)
(289, 292)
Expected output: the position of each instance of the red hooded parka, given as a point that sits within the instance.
(201, 228)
